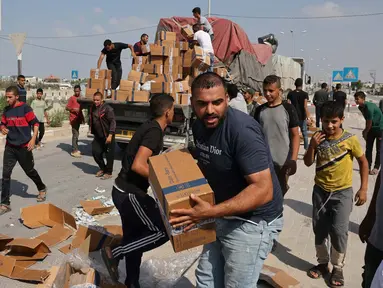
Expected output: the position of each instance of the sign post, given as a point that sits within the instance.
(350, 74)
(74, 74)
(18, 40)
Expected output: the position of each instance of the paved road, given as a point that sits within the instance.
(71, 180)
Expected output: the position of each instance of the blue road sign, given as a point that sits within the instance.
(74, 74)
(337, 76)
(350, 74)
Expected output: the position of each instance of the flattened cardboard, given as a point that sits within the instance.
(25, 264)
(277, 277)
(95, 207)
(24, 249)
(9, 269)
(48, 283)
(4, 240)
(55, 235)
(46, 215)
(98, 239)
(174, 176)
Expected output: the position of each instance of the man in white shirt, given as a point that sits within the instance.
(203, 21)
(237, 101)
(203, 39)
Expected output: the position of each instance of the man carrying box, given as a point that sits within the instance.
(233, 155)
(113, 59)
(138, 46)
(203, 39)
(203, 22)
(142, 226)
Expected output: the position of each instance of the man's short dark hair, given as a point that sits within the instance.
(39, 90)
(20, 77)
(98, 93)
(331, 109)
(77, 87)
(159, 103)
(197, 10)
(196, 27)
(232, 90)
(206, 81)
(272, 79)
(12, 89)
(360, 94)
(338, 86)
(144, 35)
(323, 86)
(107, 42)
(298, 82)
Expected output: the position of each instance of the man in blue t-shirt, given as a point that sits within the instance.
(234, 157)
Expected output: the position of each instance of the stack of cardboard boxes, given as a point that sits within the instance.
(100, 81)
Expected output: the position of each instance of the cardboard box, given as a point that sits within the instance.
(277, 278)
(161, 78)
(55, 235)
(158, 60)
(138, 67)
(153, 69)
(24, 249)
(95, 207)
(99, 238)
(9, 269)
(166, 35)
(221, 72)
(184, 99)
(156, 50)
(100, 84)
(187, 31)
(174, 176)
(162, 87)
(173, 60)
(127, 85)
(120, 95)
(46, 215)
(145, 49)
(101, 74)
(183, 45)
(138, 96)
(137, 76)
(200, 60)
(175, 72)
(140, 59)
(181, 86)
(187, 58)
(4, 240)
(167, 43)
(89, 92)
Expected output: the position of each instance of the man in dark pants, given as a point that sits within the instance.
(16, 123)
(320, 97)
(21, 88)
(103, 126)
(113, 59)
(76, 118)
(142, 225)
(373, 129)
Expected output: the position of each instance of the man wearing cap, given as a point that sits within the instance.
(251, 104)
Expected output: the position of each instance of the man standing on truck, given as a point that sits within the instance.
(138, 46)
(203, 39)
(76, 118)
(239, 169)
(113, 59)
(142, 226)
(203, 22)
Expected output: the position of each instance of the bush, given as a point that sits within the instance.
(3, 103)
(57, 117)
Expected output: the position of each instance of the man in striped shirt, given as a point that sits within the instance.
(16, 123)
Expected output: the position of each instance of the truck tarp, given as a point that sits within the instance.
(287, 69)
(248, 66)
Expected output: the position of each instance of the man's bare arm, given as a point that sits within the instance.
(306, 109)
(140, 164)
(295, 143)
(100, 59)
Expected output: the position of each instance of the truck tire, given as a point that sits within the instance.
(122, 145)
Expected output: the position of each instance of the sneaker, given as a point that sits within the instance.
(76, 154)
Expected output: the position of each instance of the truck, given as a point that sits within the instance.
(242, 60)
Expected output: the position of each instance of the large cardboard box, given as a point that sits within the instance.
(89, 92)
(156, 50)
(23, 249)
(174, 176)
(162, 87)
(187, 58)
(140, 59)
(100, 84)
(187, 31)
(120, 95)
(137, 76)
(181, 86)
(158, 60)
(138, 96)
(161, 78)
(221, 72)
(200, 60)
(100, 74)
(127, 85)
(153, 69)
(181, 98)
(166, 35)
(138, 67)
(46, 214)
(183, 46)
(167, 43)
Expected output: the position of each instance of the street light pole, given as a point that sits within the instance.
(208, 8)
(373, 76)
(293, 44)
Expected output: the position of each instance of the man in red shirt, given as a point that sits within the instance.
(137, 47)
(75, 118)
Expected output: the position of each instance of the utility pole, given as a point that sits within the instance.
(373, 76)
(18, 41)
(293, 44)
(208, 8)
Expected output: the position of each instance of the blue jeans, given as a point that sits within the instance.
(303, 126)
(236, 258)
(211, 63)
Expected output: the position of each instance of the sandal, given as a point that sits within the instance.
(5, 209)
(336, 279)
(106, 176)
(42, 196)
(320, 270)
(100, 174)
(110, 263)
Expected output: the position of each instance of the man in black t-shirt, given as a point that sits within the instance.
(339, 96)
(320, 97)
(298, 98)
(142, 225)
(234, 157)
(113, 59)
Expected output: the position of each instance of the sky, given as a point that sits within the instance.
(331, 43)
